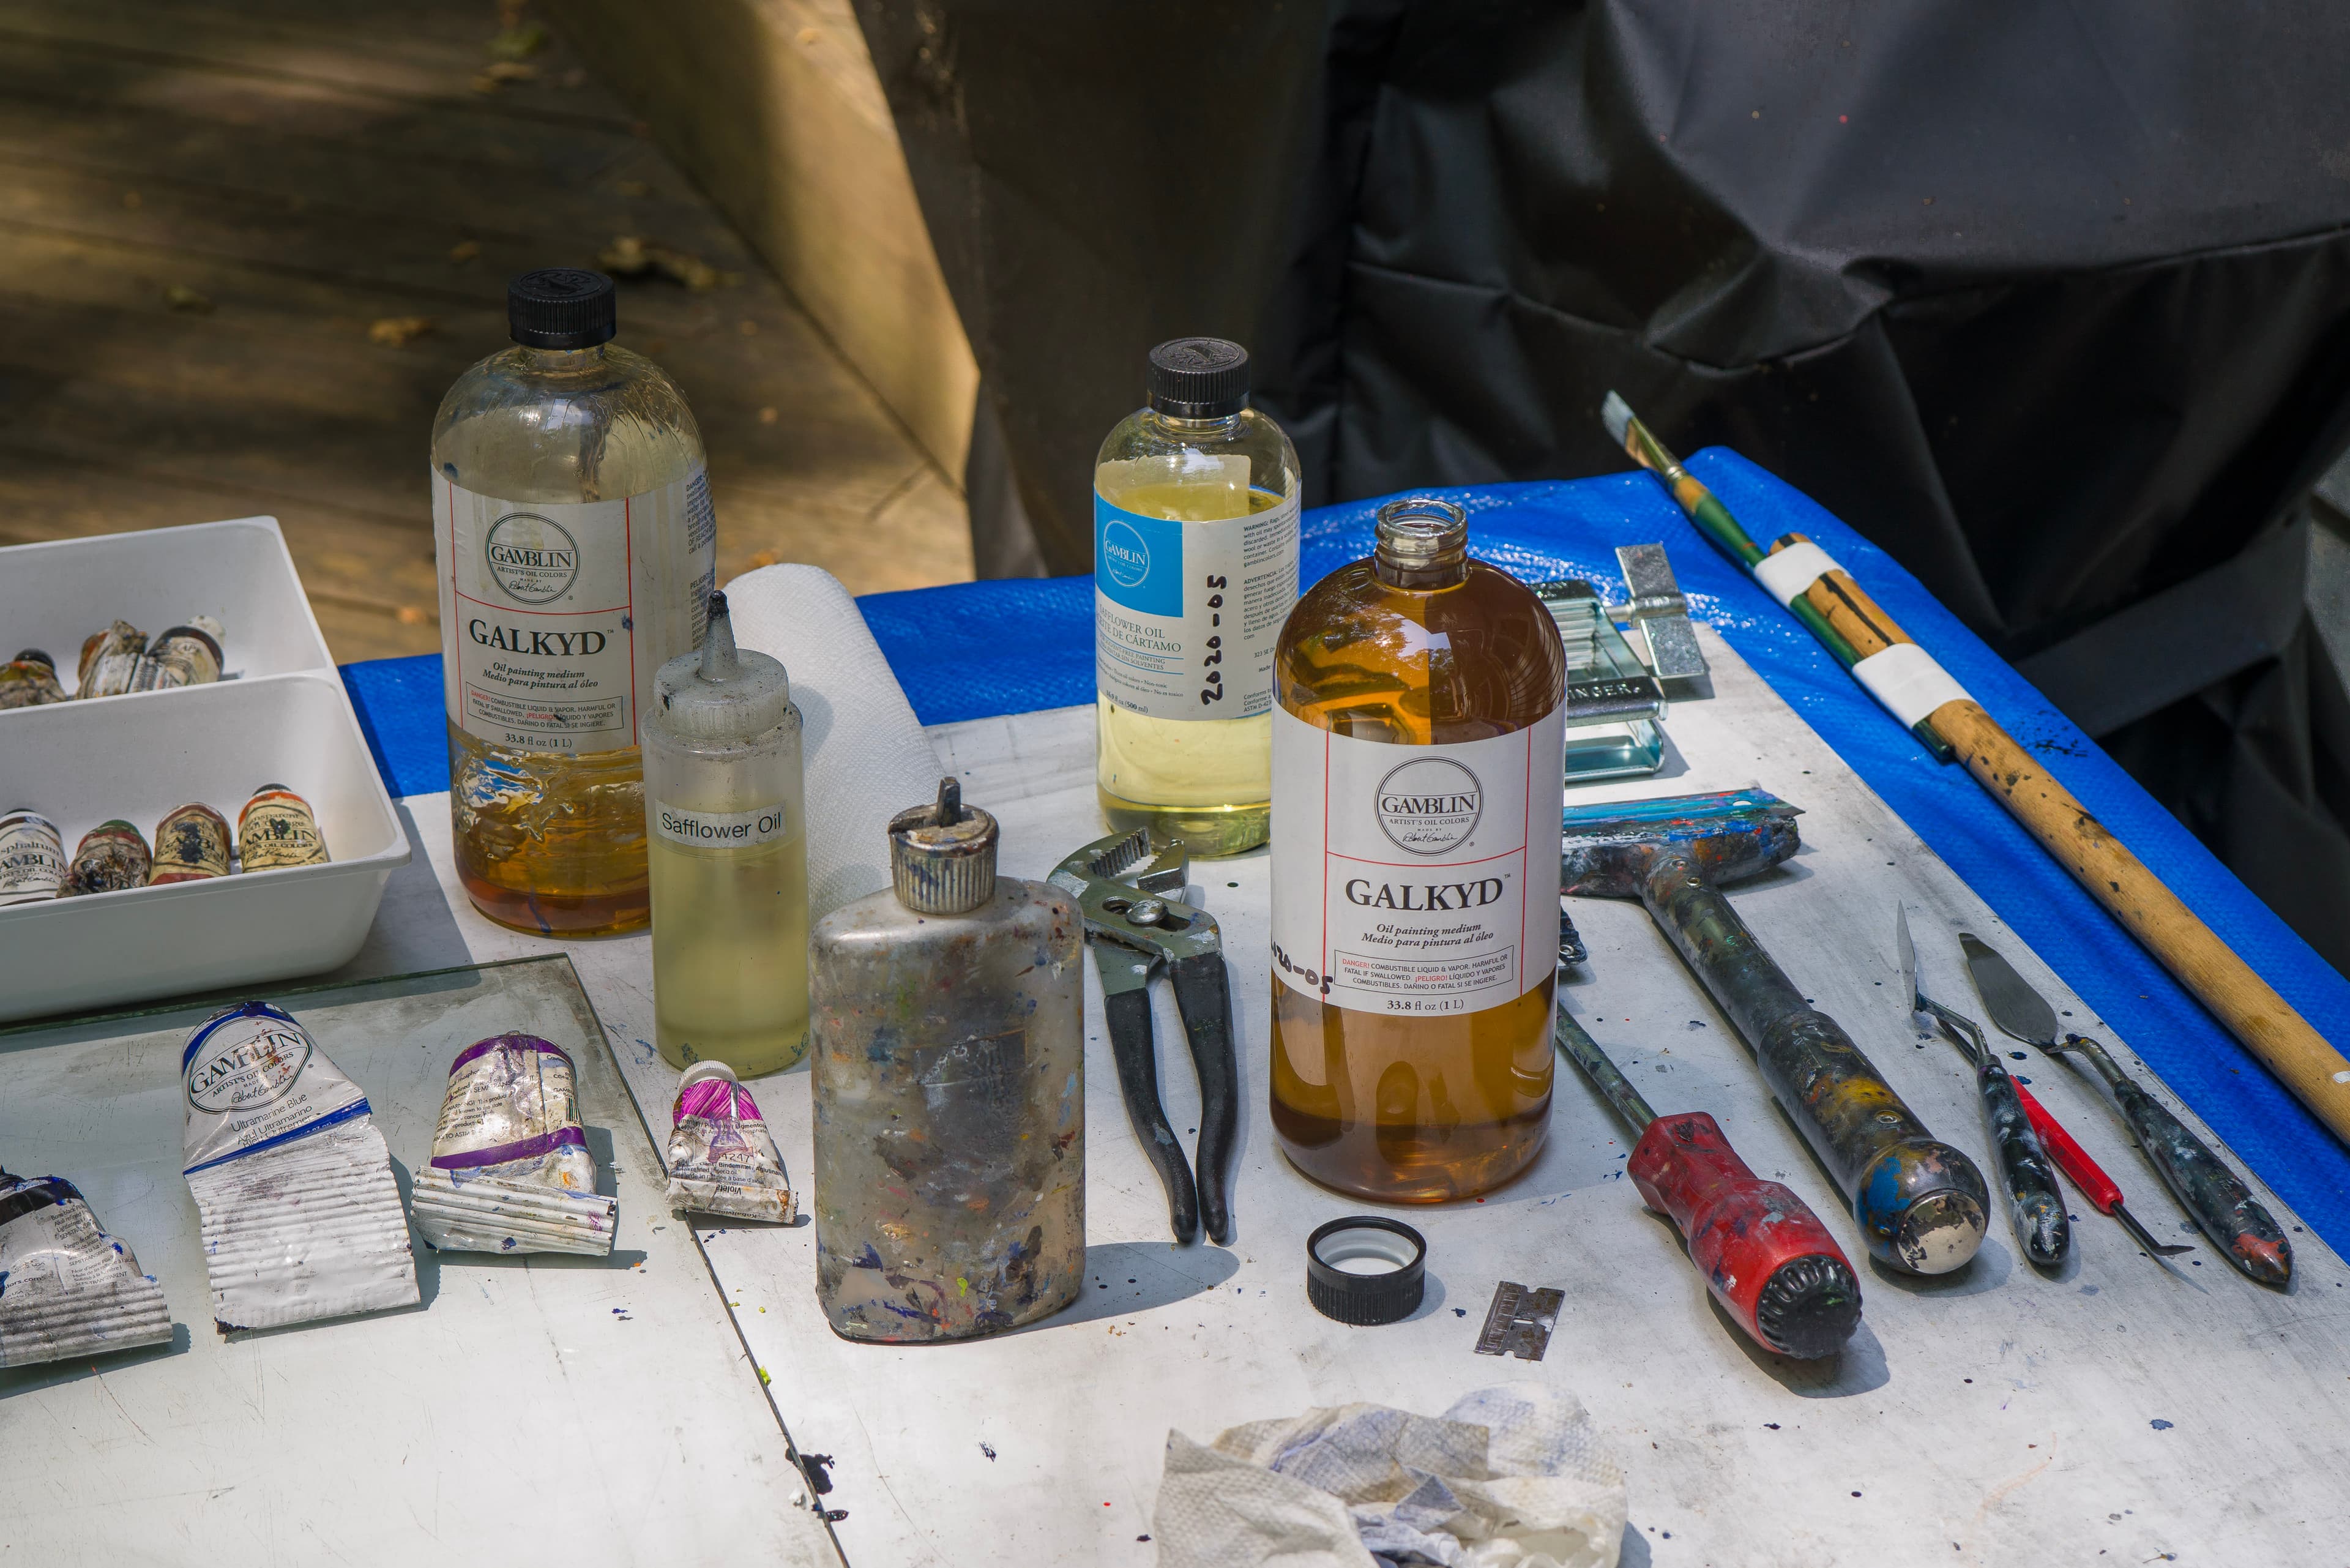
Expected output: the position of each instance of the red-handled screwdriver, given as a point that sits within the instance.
(1765, 1256)
(2095, 1184)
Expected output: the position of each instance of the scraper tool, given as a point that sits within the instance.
(2213, 1195)
(2034, 1202)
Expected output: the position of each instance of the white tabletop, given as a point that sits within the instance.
(528, 1409)
(2113, 1412)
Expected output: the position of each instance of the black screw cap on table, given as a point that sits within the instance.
(1366, 1301)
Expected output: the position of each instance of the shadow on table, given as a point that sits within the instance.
(36, 1376)
(1127, 1277)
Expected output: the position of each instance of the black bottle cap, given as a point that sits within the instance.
(1198, 377)
(1388, 1295)
(562, 307)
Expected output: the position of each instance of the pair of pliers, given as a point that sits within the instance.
(1121, 885)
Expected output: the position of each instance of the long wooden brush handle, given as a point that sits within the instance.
(2251, 1008)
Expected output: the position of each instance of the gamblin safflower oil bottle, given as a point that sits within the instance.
(1416, 742)
(1195, 569)
(577, 550)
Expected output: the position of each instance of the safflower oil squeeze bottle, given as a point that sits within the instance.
(1417, 748)
(577, 549)
(1195, 569)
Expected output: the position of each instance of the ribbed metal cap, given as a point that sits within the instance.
(1388, 1293)
(943, 856)
(562, 307)
(1198, 377)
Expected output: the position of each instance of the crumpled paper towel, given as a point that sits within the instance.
(865, 755)
(1514, 1475)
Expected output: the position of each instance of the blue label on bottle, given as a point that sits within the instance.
(1137, 560)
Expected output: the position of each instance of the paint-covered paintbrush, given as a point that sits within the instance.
(1926, 698)
(1713, 520)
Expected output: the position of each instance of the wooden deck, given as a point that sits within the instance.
(207, 208)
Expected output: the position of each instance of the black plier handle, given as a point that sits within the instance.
(1134, 930)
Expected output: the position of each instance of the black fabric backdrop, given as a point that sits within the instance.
(2051, 301)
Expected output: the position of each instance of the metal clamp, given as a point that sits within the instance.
(1658, 609)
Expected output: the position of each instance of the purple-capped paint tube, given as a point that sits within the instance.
(721, 1158)
(510, 1170)
(67, 1287)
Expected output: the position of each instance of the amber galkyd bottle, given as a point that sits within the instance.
(1416, 755)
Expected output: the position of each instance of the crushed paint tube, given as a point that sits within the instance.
(191, 845)
(276, 828)
(67, 1287)
(721, 1158)
(510, 1170)
(29, 680)
(110, 660)
(186, 655)
(300, 1216)
(111, 857)
(32, 858)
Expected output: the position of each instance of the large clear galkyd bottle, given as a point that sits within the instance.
(1195, 569)
(578, 548)
(1416, 787)
(728, 847)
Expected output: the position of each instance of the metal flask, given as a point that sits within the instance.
(948, 1017)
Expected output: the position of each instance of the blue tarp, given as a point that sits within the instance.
(976, 649)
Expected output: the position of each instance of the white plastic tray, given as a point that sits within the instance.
(54, 594)
(78, 765)
(285, 719)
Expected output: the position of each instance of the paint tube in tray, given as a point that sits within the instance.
(511, 1171)
(67, 1287)
(721, 1158)
(300, 1216)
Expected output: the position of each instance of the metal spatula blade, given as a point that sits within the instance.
(1908, 957)
(2012, 1004)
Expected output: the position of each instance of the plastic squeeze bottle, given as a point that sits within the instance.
(949, 1085)
(728, 853)
(1416, 757)
(1195, 569)
(577, 548)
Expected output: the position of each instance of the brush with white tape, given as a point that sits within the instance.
(1808, 580)
(1925, 697)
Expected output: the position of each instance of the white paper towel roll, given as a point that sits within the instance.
(867, 758)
